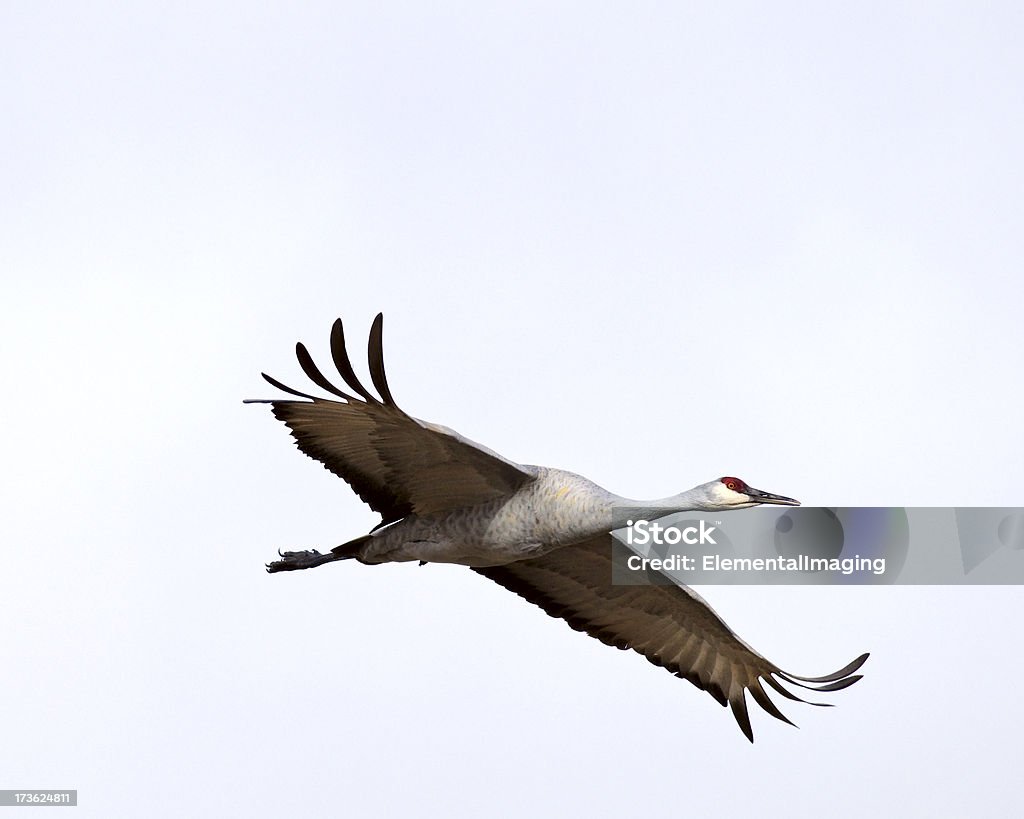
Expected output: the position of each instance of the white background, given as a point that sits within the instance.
(651, 243)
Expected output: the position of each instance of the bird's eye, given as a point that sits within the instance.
(734, 484)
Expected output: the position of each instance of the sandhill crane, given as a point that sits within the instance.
(541, 533)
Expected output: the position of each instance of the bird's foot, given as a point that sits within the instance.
(290, 561)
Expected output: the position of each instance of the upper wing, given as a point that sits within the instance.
(669, 624)
(394, 462)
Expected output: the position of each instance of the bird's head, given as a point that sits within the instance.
(733, 493)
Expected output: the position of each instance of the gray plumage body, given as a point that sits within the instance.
(542, 533)
(557, 508)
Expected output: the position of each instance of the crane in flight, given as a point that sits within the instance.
(542, 533)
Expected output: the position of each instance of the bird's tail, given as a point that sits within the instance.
(351, 549)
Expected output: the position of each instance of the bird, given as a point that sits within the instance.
(544, 534)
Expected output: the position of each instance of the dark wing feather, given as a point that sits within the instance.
(394, 462)
(670, 625)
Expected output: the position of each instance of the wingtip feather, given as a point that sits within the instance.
(285, 388)
(835, 675)
(762, 699)
(313, 372)
(343, 364)
(739, 711)
(375, 354)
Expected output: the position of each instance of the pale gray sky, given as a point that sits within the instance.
(650, 243)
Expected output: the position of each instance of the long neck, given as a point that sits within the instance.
(626, 510)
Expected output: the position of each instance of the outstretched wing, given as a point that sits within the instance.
(669, 624)
(394, 462)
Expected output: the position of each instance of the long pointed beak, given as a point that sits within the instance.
(757, 496)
